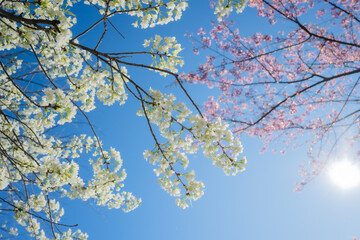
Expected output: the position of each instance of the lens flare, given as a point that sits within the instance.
(344, 174)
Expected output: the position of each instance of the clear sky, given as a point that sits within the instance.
(254, 205)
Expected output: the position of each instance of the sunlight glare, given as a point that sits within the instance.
(344, 174)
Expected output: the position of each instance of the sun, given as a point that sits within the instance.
(344, 174)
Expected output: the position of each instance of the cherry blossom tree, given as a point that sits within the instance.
(300, 78)
(49, 77)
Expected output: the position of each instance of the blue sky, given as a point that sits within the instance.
(257, 204)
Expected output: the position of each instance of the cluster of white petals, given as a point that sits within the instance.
(224, 7)
(149, 12)
(165, 53)
(185, 133)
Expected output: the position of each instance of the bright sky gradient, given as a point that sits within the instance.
(257, 204)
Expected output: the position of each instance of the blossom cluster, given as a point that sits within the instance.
(150, 13)
(214, 138)
(223, 8)
(52, 210)
(165, 53)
